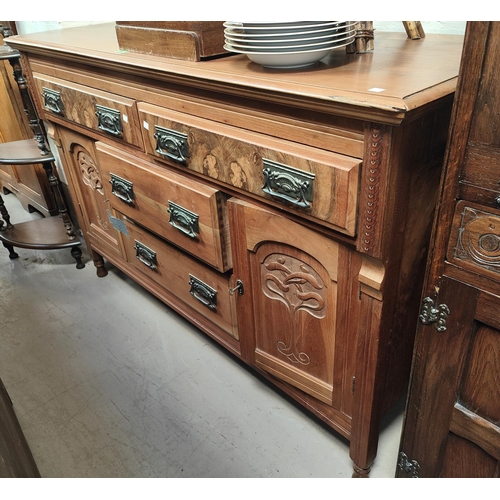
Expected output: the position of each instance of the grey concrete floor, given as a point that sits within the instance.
(108, 382)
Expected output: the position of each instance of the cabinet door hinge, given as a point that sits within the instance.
(353, 383)
(434, 313)
(408, 466)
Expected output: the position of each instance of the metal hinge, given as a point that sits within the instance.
(434, 313)
(408, 466)
(353, 383)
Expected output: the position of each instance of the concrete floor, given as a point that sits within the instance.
(107, 382)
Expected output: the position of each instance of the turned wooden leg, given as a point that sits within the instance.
(12, 253)
(76, 252)
(360, 473)
(58, 197)
(366, 419)
(99, 264)
(5, 216)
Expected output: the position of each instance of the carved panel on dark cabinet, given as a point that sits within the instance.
(475, 239)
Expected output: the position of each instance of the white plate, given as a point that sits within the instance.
(279, 28)
(291, 34)
(288, 41)
(279, 25)
(284, 60)
(288, 61)
(294, 47)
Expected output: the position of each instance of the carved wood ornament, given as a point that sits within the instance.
(296, 285)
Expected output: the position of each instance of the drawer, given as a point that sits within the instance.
(109, 114)
(182, 210)
(317, 184)
(475, 239)
(198, 286)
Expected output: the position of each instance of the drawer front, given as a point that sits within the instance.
(475, 239)
(198, 286)
(184, 211)
(316, 184)
(112, 115)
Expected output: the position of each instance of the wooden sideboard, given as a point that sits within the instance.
(286, 214)
(451, 426)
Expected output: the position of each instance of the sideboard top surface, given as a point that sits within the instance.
(399, 76)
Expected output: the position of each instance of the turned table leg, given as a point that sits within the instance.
(99, 264)
(12, 253)
(76, 252)
(5, 216)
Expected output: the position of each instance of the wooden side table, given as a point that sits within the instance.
(50, 232)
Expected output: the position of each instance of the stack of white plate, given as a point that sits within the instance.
(287, 45)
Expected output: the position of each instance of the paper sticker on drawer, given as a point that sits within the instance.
(118, 224)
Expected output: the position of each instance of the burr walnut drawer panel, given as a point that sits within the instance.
(197, 285)
(182, 210)
(107, 113)
(475, 239)
(317, 184)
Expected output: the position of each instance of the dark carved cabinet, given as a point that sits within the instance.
(452, 421)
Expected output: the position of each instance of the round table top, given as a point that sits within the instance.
(7, 52)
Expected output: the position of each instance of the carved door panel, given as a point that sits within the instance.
(294, 335)
(295, 279)
(452, 426)
(96, 217)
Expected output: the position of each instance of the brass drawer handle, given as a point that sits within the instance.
(146, 255)
(122, 188)
(183, 220)
(109, 120)
(171, 144)
(202, 292)
(288, 183)
(52, 101)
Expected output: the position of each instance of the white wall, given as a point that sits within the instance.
(24, 27)
(448, 27)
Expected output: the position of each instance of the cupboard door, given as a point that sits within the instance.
(453, 412)
(292, 276)
(87, 184)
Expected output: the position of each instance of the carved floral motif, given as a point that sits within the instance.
(92, 178)
(90, 174)
(296, 285)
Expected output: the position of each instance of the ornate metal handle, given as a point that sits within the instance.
(497, 199)
(288, 183)
(122, 188)
(183, 220)
(202, 292)
(171, 144)
(146, 255)
(109, 120)
(52, 100)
